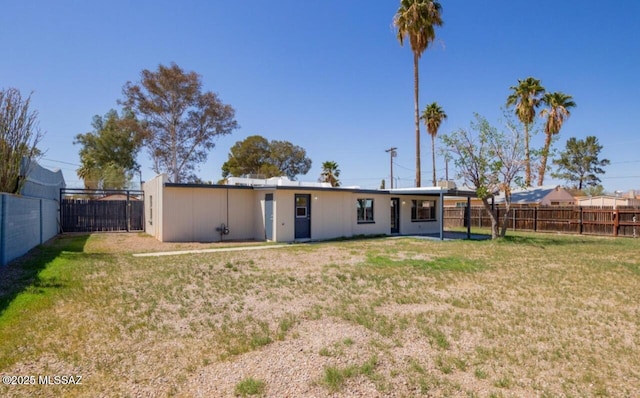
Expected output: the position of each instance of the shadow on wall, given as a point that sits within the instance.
(23, 274)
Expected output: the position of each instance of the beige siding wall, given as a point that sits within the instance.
(333, 215)
(193, 214)
(283, 204)
(381, 215)
(408, 227)
(153, 206)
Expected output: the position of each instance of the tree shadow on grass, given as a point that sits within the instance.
(23, 273)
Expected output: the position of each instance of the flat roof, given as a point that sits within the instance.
(427, 191)
(433, 191)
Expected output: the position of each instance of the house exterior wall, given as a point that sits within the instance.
(607, 201)
(381, 215)
(333, 214)
(192, 214)
(408, 227)
(153, 209)
(186, 213)
(259, 214)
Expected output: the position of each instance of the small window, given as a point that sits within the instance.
(423, 210)
(301, 206)
(364, 208)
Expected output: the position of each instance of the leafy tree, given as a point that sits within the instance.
(579, 163)
(525, 98)
(181, 120)
(19, 137)
(490, 161)
(433, 116)
(330, 173)
(256, 155)
(108, 154)
(290, 159)
(415, 21)
(557, 110)
(594, 190)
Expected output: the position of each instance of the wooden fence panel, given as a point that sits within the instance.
(574, 220)
(89, 215)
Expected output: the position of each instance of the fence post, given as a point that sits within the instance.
(535, 219)
(128, 213)
(581, 221)
(616, 222)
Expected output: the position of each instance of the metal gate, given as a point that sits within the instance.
(91, 210)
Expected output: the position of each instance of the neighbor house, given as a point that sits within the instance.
(608, 201)
(281, 210)
(530, 197)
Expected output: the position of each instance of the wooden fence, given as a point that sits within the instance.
(573, 220)
(125, 212)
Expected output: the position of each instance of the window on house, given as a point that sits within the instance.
(423, 210)
(365, 210)
(301, 207)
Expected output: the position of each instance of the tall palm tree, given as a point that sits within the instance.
(415, 21)
(330, 173)
(526, 98)
(556, 111)
(433, 115)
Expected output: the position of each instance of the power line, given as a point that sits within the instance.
(60, 161)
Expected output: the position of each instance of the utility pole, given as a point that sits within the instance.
(392, 154)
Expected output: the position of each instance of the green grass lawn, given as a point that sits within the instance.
(528, 315)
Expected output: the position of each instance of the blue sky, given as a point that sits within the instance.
(330, 75)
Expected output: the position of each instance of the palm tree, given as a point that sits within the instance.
(416, 21)
(526, 98)
(433, 116)
(557, 111)
(330, 173)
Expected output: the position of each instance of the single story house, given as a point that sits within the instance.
(607, 201)
(552, 195)
(281, 210)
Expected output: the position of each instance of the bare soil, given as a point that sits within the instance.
(537, 318)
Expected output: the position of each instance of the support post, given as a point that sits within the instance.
(468, 216)
(441, 215)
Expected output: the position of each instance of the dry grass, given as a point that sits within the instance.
(533, 315)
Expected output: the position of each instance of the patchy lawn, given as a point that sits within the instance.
(532, 315)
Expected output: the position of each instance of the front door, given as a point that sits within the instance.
(395, 215)
(268, 216)
(303, 216)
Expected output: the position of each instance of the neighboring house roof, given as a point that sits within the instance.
(544, 195)
(608, 200)
(118, 196)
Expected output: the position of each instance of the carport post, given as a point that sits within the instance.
(468, 217)
(441, 215)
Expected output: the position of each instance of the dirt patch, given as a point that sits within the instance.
(339, 319)
(138, 242)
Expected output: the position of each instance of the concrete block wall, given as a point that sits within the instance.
(25, 223)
